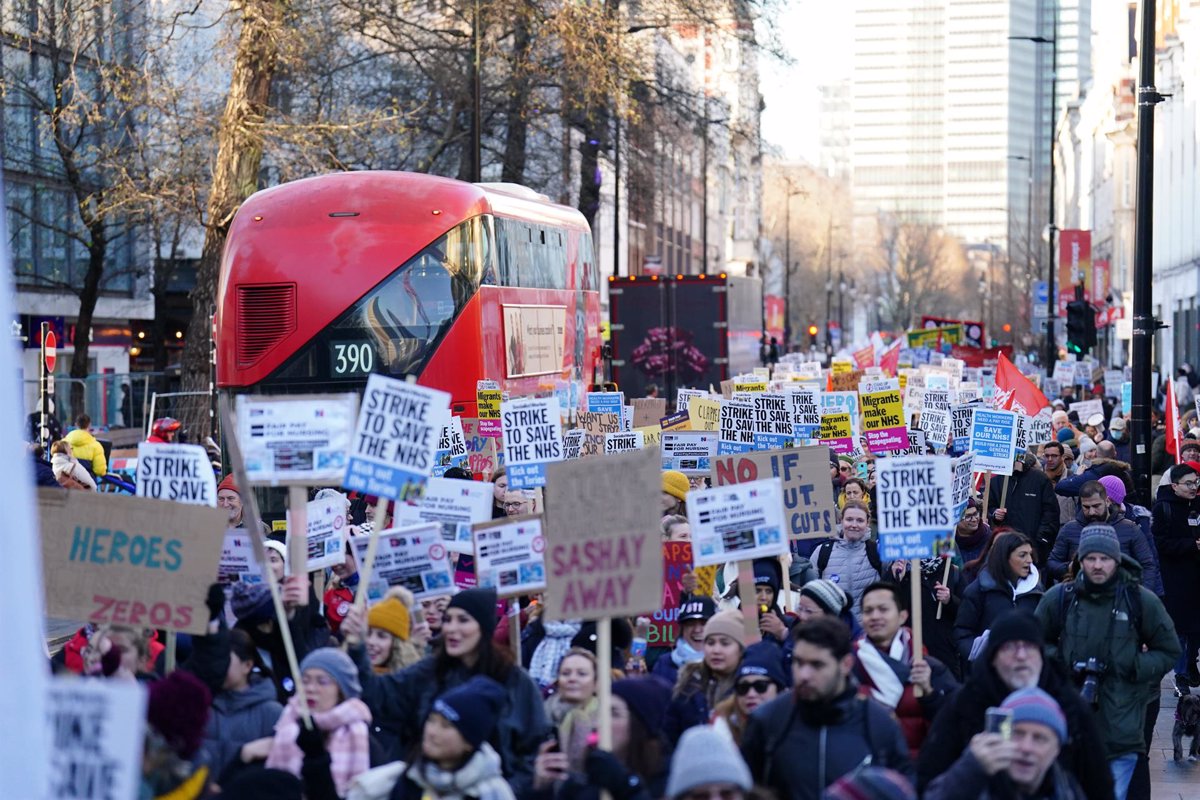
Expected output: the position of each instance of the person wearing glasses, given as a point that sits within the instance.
(972, 539)
(1013, 660)
(759, 680)
(520, 502)
(1175, 523)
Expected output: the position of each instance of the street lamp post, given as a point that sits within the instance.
(1052, 301)
(787, 261)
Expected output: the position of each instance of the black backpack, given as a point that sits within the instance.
(826, 548)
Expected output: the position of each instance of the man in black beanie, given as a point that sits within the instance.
(1013, 659)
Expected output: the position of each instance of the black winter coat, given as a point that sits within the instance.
(984, 601)
(1032, 506)
(939, 637)
(797, 750)
(237, 718)
(309, 632)
(1176, 536)
(1133, 544)
(962, 716)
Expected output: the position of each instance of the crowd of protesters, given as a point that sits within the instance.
(1046, 632)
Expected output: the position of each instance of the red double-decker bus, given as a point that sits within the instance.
(329, 279)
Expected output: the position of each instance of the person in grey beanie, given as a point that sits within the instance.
(706, 763)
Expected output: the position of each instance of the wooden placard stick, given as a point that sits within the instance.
(945, 582)
(250, 507)
(749, 601)
(1004, 492)
(297, 535)
(914, 583)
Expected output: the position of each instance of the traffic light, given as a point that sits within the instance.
(1081, 327)
(812, 334)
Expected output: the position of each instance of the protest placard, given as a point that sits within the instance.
(738, 522)
(510, 555)
(452, 448)
(128, 560)
(97, 735)
(453, 504)
(803, 471)
(602, 530)
(846, 381)
(963, 478)
(937, 399)
(595, 427)
(532, 439)
(936, 425)
(678, 421)
(1113, 378)
(772, 421)
(481, 450)
(573, 444)
(397, 437)
(960, 427)
(487, 403)
(1064, 372)
(238, 564)
(835, 402)
(684, 396)
(623, 442)
(806, 411)
(648, 410)
(749, 386)
(704, 414)
(604, 402)
(915, 505)
(179, 472)
(994, 440)
(837, 433)
(1040, 429)
(414, 557)
(677, 560)
(737, 427)
(626, 418)
(689, 452)
(1087, 408)
(841, 366)
(1083, 373)
(1024, 427)
(327, 525)
(297, 440)
(882, 415)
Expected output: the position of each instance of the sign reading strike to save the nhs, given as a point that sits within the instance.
(532, 439)
(915, 505)
(399, 428)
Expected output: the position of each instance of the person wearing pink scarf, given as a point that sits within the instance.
(341, 722)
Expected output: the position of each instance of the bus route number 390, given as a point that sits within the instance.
(351, 358)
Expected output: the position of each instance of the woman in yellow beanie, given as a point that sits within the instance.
(389, 640)
(675, 488)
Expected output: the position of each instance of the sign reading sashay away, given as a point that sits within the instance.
(604, 558)
(804, 472)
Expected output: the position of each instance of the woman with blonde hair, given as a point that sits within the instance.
(389, 642)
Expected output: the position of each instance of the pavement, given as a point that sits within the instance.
(1171, 780)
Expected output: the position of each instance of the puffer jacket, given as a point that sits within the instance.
(400, 701)
(236, 718)
(798, 749)
(1176, 526)
(1098, 622)
(87, 451)
(848, 567)
(985, 600)
(1133, 544)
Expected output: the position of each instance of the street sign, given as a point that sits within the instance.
(1041, 299)
(51, 351)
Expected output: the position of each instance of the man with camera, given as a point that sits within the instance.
(1116, 639)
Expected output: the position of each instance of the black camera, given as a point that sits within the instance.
(1090, 671)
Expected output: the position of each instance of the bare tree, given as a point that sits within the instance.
(923, 272)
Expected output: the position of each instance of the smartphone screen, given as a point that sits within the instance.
(999, 720)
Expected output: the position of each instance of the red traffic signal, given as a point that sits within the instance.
(812, 330)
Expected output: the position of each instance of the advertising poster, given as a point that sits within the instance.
(399, 429)
(532, 440)
(535, 339)
(510, 556)
(738, 522)
(296, 439)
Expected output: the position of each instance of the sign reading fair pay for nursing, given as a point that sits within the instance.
(738, 522)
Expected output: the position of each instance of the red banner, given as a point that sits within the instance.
(1074, 266)
(980, 357)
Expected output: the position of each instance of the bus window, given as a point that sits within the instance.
(531, 257)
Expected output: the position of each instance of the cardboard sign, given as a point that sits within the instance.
(602, 527)
(689, 452)
(847, 381)
(684, 396)
(455, 505)
(963, 477)
(915, 506)
(936, 425)
(623, 442)
(1041, 430)
(238, 564)
(738, 522)
(803, 472)
(296, 439)
(573, 444)
(605, 402)
(595, 427)
(772, 421)
(704, 414)
(994, 441)
(397, 438)
(532, 440)
(412, 557)
(882, 415)
(806, 411)
(677, 560)
(452, 448)
(327, 525)
(128, 560)
(837, 433)
(737, 427)
(179, 472)
(648, 410)
(510, 556)
(96, 738)
(481, 450)
(487, 402)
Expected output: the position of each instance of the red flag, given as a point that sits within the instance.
(1014, 389)
(1172, 421)
(889, 361)
(866, 357)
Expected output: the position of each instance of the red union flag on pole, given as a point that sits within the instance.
(1015, 392)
